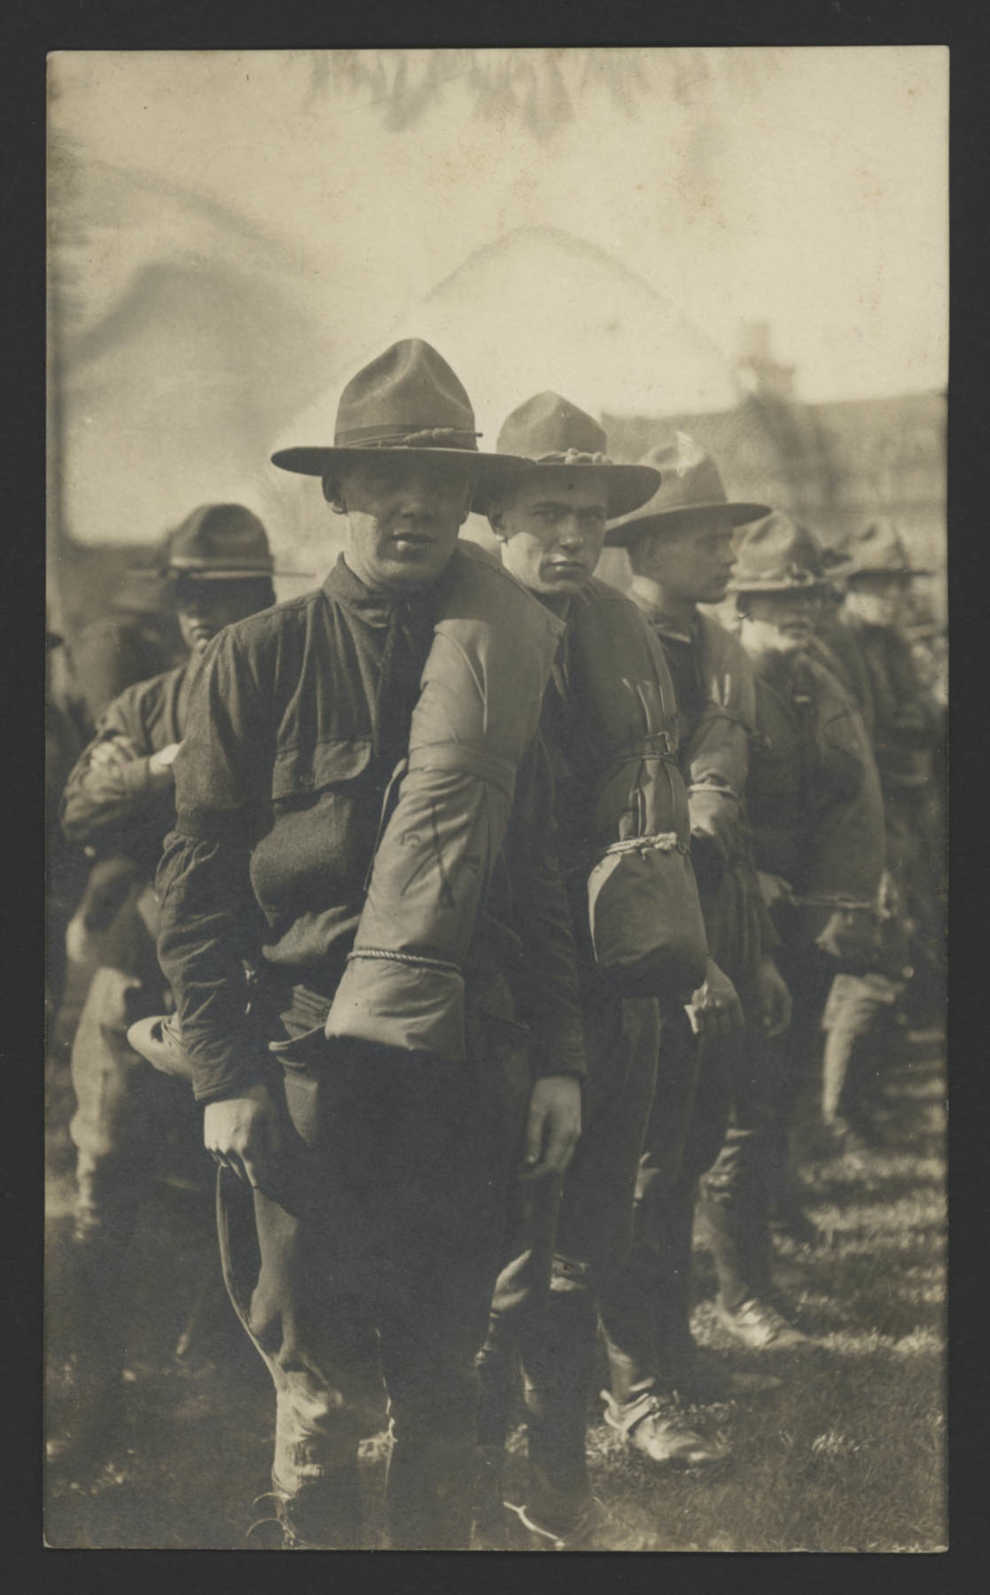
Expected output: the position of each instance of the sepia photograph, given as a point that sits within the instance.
(496, 691)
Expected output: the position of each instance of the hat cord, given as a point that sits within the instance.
(572, 457)
(457, 436)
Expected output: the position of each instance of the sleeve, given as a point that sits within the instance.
(916, 716)
(210, 921)
(717, 767)
(100, 799)
(548, 991)
(846, 841)
(717, 758)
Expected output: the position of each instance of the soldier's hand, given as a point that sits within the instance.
(112, 753)
(848, 937)
(774, 999)
(160, 763)
(554, 1125)
(715, 1011)
(243, 1134)
(773, 889)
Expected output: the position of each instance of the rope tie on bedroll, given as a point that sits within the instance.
(477, 712)
(666, 842)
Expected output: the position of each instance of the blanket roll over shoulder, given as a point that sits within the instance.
(478, 710)
(645, 917)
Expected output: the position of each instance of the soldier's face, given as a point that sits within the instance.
(552, 529)
(205, 607)
(778, 622)
(878, 599)
(694, 565)
(403, 519)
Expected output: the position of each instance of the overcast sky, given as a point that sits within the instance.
(806, 187)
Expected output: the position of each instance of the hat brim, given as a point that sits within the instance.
(321, 461)
(628, 531)
(766, 584)
(210, 573)
(627, 486)
(880, 570)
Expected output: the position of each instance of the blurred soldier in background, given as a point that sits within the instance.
(907, 727)
(119, 803)
(871, 644)
(859, 1014)
(608, 723)
(137, 638)
(680, 550)
(815, 803)
(834, 643)
(65, 866)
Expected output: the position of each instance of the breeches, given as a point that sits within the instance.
(384, 1270)
(130, 1122)
(646, 1307)
(565, 1240)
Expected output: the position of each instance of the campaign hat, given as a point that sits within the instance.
(777, 554)
(690, 490)
(878, 550)
(221, 542)
(548, 432)
(408, 402)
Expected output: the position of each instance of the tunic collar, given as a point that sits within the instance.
(375, 608)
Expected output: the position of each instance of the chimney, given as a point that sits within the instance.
(756, 370)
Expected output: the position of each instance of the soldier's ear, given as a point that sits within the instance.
(496, 521)
(333, 495)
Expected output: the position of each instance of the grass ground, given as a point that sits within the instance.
(846, 1455)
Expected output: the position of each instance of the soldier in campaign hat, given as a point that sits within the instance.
(680, 547)
(815, 802)
(118, 804)
(362, 813)
(906, 725)
(137, 637)
(608, 724)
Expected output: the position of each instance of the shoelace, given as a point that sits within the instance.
(290, 1539)
(521, 1512)
(262, 1522)
(588, 1519)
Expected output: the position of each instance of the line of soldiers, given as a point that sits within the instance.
(495, 928)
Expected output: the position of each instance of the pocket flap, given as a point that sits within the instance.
(299, 771)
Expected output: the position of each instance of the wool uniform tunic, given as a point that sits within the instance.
(129, 1122)
(698, 1086)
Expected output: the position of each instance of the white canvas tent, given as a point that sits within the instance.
(535, 309)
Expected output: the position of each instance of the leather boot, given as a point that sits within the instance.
(558, 1364)
(429, 1495)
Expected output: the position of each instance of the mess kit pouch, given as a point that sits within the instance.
(645, 918)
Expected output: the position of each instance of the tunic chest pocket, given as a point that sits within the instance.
(302, 773)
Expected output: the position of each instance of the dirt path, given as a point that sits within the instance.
(846, 1455)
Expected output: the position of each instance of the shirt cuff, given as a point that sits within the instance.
(558, 1048)
(216, 1079)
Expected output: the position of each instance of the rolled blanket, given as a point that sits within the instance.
(478, 711)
